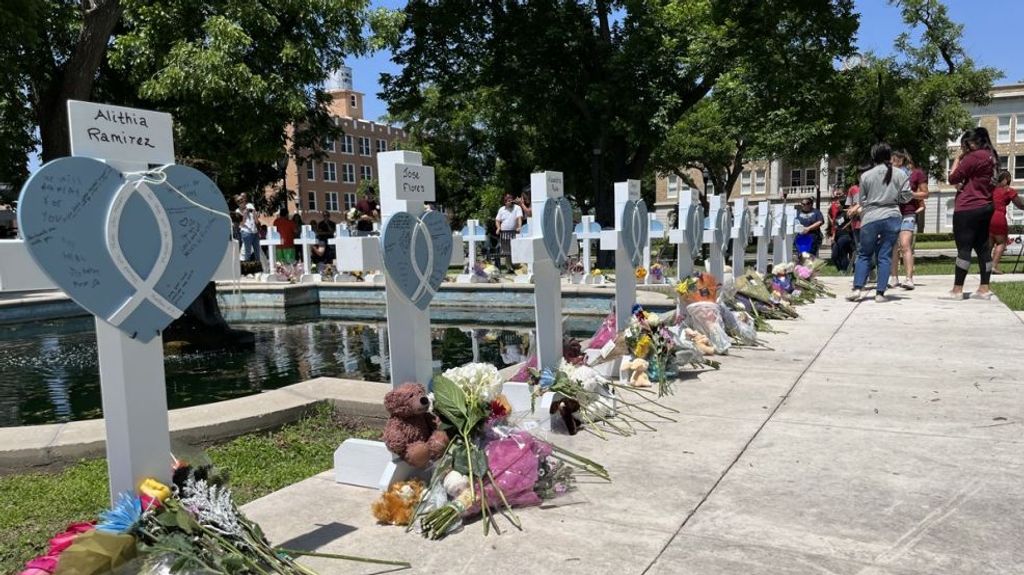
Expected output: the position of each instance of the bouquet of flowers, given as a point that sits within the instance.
(805, 277)
(657, 272)
(352, 214)
(648, 338)
(190, 526)
(488, 465)
(754, 296)
(699, 294)
(486, 272)
(291, 272)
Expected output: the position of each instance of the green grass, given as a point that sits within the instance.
(930, 266)
(35, 506)
(941, 245)
(1010, 293)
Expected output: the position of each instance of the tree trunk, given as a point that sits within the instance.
(73, 79)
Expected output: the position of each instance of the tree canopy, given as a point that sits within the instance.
(591, 88)
(233, 73)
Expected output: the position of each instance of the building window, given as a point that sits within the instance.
(1018, 167)
(1003, 130)
(1004, 163)
(348, 173)
(354, 101)
(811, 177)
(746, 183)
(1019, 121)
(346, 144)
(329, 144)
(382, 146)
(330, 172)
(795, 178)
(366, 172)
(311, 201)
(364, 146)
(311, 171)
(350, 200)
(760, 186)
(331, 201)
(673, 186)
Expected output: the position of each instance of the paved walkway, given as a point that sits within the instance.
(873, 439)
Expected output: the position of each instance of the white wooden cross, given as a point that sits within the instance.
(272, 240)
(472, 234)
(740, 234)
(716, 235)
(793, 227)
(655, 230)
(689, 233)
(763, 233)
(405, 185)
(626, 194)
(586, 232)
(132, 380)
(781, 245)
(307, 239)
(530, 248)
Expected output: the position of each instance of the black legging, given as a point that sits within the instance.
(970, 232)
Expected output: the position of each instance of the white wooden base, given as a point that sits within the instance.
(273, 278)
(369, 464)
(518, 395)
(345, 277)
(524, 279)
(310, 278)
(375, 278)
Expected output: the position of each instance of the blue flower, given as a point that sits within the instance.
(547, 379)
(123, 516)
(637, 308)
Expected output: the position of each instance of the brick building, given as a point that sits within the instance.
(330, 184)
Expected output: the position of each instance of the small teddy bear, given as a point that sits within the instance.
(397, 505)
(412, 432)
(637, 368)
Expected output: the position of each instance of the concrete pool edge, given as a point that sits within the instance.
(53, 446)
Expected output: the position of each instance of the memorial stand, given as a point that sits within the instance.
(740, 234)
(688, 236)
(472, 234)
(586, 232)
(628, 240)
(763, 232)
(655, 230)
(716, 235)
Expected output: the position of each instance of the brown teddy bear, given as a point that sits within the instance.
(412, 431)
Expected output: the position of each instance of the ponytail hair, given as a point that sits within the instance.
(881, 153)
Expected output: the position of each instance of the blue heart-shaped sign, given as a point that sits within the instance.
(134, 250)
(722, 229)
(556, 225)
(695, 229)
(416, 254)
(635, 230)
(742, 224)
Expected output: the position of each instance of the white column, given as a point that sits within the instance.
(775, 174)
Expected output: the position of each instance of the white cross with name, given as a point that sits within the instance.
(271, 242)
(740, 234)
(132, 380)
(586, 232)
(763, 233)
(716, 235)
(307, 239)
(655, 230)
(472, 234)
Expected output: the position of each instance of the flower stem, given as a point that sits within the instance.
(296, 552)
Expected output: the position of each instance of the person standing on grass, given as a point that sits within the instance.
(974, 173)
(998, 228)
(878, 208)
(809, 238)
(508, 221)
(908, 225)
(286, 229)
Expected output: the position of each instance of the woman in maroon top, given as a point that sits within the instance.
(973, 174)
(998, 229)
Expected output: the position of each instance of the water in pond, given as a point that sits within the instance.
(49, 370)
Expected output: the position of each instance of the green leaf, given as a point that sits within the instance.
(450, 401)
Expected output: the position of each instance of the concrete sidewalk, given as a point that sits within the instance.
(873, 439)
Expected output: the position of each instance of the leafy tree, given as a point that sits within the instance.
(233, 73)
(915, 99)
(587, 87)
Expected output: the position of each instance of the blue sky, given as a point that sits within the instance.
(989, 37)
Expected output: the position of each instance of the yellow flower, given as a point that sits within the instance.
(641, 273)
(155, 489)
(595, 272)
(642, 347)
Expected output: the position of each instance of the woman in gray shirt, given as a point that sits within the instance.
(879, 210)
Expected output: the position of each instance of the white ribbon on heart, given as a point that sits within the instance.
(422, 278)
(638, 233)
(560, 228)
(138, 183)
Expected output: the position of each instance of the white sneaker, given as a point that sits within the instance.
(987, 296)
(954, 296)
(880, 298)
(855, 295)
(908, 285)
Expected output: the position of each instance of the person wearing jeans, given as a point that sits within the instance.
(881, 189)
